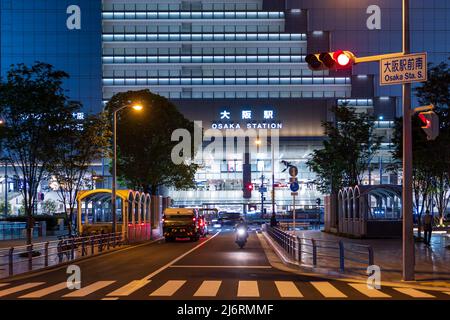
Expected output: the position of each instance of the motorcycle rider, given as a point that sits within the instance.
(241, 225)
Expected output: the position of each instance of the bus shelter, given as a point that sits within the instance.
(133, 215)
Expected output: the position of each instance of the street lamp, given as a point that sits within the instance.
(135, 107)
(258, 143)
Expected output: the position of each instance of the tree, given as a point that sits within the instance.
(144, 142)
(347, 152)
(49, 207)
(36, 113)
(2, 208)
(88, 141)
(431, 159)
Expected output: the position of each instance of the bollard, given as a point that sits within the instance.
(371, 258)
(10, 260)
(72, 249)
(341, 256)
(314, 252)
(60, 253)
(83, 247)
(92, 245)
(46, 254)
(30, 257)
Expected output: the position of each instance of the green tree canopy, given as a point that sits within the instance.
(144, 142)
(349, 147)
(37, 114)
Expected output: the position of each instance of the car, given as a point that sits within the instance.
(181, 223)
(228, 220)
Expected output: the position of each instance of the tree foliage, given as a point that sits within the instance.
(349, 147)
(431, 159)
(88, 141)
(144, 142)
(37, 114)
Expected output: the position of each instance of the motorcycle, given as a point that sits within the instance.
(241, 236)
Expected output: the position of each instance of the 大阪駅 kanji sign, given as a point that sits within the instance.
(404, 69)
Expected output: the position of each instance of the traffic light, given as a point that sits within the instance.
(431, 124)
(247, 180)
(248, 188)
(337, 60)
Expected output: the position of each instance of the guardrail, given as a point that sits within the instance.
(320, 252)
(16, 260)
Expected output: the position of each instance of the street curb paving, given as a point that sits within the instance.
(48, 269)
(294, 267)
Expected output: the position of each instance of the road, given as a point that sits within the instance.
(212, 268)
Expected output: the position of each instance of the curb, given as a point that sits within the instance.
(295, 267)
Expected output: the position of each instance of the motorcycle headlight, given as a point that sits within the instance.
(241, 232)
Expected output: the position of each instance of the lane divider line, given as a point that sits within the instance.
(151, 275)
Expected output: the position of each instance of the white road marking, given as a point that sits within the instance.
(46, 291)
(151, 275)
(19, 288)
(288, 289)
(208, 288)
(248, 289)
(111, 298)
(327, 289)
(129, 288)
(226, 267)
(371, 293)
(169, 288)
(83, 292)
(414, 293)
(3, 284)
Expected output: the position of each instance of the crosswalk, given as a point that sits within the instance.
(112, 290)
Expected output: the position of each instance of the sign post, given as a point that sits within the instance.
(294, 186)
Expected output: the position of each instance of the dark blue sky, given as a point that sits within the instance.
(34, 30)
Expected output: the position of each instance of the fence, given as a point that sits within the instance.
(16, 260)
(323, 253)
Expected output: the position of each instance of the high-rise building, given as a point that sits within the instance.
(234, 64)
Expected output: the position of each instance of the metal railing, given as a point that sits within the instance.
(20, 259)
(323, 253)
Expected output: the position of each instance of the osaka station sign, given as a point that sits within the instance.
(404, 69)
(246, 119)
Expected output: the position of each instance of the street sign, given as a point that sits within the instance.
(294, 186)
(403, 69)
(292, 180)
(263, 189)
(293, 171)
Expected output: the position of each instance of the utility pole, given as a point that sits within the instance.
(408, 235)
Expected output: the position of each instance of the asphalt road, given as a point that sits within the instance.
(212, 268)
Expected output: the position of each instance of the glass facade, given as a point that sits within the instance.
(349, 21)
(211, 57)
(38, 30)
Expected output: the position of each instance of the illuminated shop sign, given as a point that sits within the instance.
(246, 119)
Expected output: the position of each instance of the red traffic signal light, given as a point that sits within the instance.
(430, 122)
(249, 186)
(330, 60)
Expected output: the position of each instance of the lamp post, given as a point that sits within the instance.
(136, 107)
(408, 234)
(258, 143)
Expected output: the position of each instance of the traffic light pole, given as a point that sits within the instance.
(407, 210)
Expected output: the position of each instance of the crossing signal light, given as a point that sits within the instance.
(330, 60)
(248, 188)
(430, 122)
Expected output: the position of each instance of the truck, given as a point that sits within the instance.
(181, 223)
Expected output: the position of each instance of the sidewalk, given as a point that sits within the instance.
(23, 242)
(432, 263)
